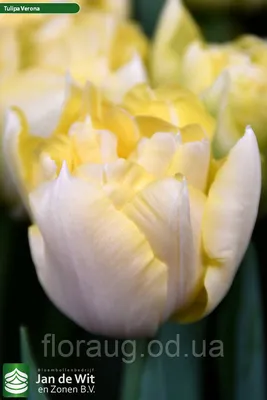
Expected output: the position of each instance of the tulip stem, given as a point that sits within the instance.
(133, 370)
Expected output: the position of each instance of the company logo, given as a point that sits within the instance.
(15, 380)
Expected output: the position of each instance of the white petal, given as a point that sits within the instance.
(126, 77)
(197, 206)
(230, 215)
(43, 102)
(217, 101)
(104, 265)
(162, 213)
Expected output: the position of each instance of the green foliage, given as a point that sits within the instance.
(240, 327)
(27, 358)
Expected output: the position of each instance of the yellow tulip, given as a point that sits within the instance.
(186, 58)
(202, 64)
(97, 46)
(254, 47)
(176, 29)
(134, 222)
(229, 78)
(32, 91)
(172, 103)
(92, 46)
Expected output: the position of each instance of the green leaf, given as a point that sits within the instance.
(133, 371)
(176, 373)
(27, 358)
(5, 232)
(81, 349)
(240, 327)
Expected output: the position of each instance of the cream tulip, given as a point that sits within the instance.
(229, 78)
(93, 45)
(134, 222)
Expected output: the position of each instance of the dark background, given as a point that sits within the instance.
(25, 303)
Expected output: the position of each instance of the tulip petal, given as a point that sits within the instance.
(126, 77)
(13, 184)
(155, 154)
(120, 180)
(197, 201)
(41, 86)
(161, 212)
(123, 125)
(230, 215)
(59, 289)
(149, 125)
(175, 31)
(9, 52)
(104, 263)
(197, 68)
(217, 101)
(192, 160)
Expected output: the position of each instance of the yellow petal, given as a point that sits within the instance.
(175, 31)
(90, 250)
(234, 111)
(120, 179)
(123, 79)
(217, 100)
(148, 126)
(209, 62)
(127, 41)
(120, 122)
(192, 160)
(9, 52)
(155, 154)
(197, 68)
(43, 102)
(171, 103)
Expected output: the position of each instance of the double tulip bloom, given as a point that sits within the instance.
(229, 78)
(98, 44)
(134, 219)
(134, 222)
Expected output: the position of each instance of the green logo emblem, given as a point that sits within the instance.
(15, 380)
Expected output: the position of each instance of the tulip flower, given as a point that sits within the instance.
(219, 74)
(134, 222)
(176, 29)
(188, 60)
(97, 46)
(172, 103)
